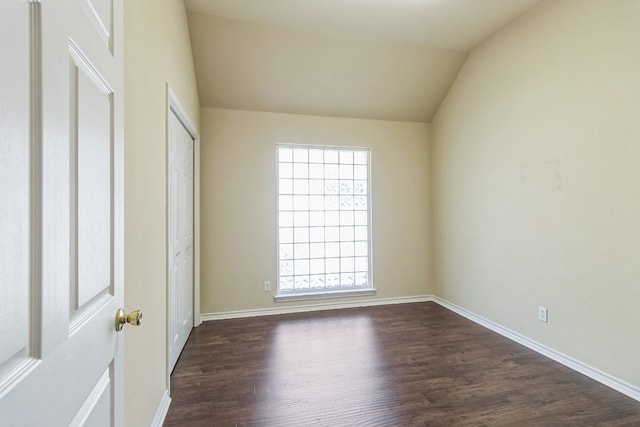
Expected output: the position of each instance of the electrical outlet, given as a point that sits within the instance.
(542, 314)
(267, 286)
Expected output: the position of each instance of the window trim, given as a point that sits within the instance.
(314, 294)
(303, 296)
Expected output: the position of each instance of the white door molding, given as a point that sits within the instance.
(175, 107)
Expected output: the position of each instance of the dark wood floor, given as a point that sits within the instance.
(395, 365)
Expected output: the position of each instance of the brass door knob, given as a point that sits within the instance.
(134, 318)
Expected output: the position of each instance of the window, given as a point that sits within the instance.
(324, 234)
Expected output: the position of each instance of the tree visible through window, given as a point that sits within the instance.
(323, 219)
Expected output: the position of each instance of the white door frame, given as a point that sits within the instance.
(175, 107)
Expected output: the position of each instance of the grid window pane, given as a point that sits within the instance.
(286, 186)
(301, 234)
(285, 170)
(332, 265)
(331, 156)
(286, 283)
(323, 219)
(300, 155)
(316, 218)
(360, 218)
(286, 219)
(332, 218)
(346, 202)
(361, 264)
(360, 233)
(331, 203)
(347, 264)
(360, 203)
(286, 203)
(316, 266)
(316, 186)
(286, 235)
(360, 157)
(316, 234)
(300, 282)
(331, 171)
(346, 187)
(316, 171)
(285, 154)
(361, 249)
(360, 187)
(286, 251)
(360, 172)
(332, 234)
(362, 279)
(346, 171)
(346, 234)
(346, 157)
(317, 282)
(301, 267)
(332, 186)
(300, 170)
(346, 217)
(301, 250)
(300, 219)
(286, 267)
(300, 186)
(333, 281)
(332, 249)
(316, 155)
(347, 249)
(316, 203)
(316, 250)
(300, 203)
(346, 280)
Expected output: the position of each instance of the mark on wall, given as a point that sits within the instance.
(542, 177)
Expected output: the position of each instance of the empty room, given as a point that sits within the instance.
(320, 213)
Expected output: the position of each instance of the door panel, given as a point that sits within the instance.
(100, 13)
(93, 121)
(61, 190)
(96, 409)
(180, 237)
(14, 190)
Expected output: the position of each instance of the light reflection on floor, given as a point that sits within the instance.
(326, 371)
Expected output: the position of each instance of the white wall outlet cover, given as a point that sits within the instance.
(542, 313)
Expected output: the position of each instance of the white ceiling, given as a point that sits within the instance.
(378, 59)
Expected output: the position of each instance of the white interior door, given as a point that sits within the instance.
(181, 249)
(61, 204)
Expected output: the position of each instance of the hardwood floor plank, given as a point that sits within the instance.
(398, 365)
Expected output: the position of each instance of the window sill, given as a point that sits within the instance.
(324, 295)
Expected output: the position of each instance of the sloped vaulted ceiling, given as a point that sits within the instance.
(376, 59)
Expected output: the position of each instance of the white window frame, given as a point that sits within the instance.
(326, 292)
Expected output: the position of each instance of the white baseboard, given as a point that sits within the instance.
(311, 307)
(162, 411)
(593, 373)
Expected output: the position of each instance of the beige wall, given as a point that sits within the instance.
(536, 181)
(238, 196)
(157, 51)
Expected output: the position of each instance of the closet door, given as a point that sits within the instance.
(181, 248)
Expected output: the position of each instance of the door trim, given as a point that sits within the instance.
(175, 107)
